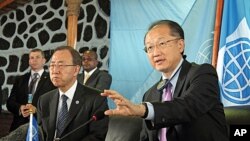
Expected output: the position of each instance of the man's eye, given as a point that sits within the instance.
(149, 48)
(162, 43)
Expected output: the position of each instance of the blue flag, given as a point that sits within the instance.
(233, 64)
(34, 135)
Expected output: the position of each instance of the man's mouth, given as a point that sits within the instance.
(159, 61)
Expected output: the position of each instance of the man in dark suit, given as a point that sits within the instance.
(72, 104)
(193, 111)
(92, 76)
(17, 102)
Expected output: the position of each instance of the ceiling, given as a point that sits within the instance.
(8, 5)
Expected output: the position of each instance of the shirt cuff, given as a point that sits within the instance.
(151, 111)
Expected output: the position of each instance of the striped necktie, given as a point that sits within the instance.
(32, 86)
(62, 116)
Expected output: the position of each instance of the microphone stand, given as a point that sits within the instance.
(69, 133)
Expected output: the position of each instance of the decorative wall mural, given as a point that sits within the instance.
(43, 24)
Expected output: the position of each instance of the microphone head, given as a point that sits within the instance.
(161, 85)
(98, 115)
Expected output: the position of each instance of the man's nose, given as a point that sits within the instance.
(156, 50)
(55, 69)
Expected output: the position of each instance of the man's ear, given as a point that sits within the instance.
(181, 45)
(77, 70)
(44, 60)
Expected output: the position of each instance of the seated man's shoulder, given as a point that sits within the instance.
(203, 68)
(206, 65)
(48, 94)
(104, 72)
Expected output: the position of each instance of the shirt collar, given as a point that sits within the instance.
(70, 92)
(91, 72)
(40, 72)
(174, 76)
(174, 72)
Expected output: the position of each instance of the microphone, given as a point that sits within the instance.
(97, 116)
(162, 84)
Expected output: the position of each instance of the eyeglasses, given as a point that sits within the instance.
(52, 66)
(160, 45)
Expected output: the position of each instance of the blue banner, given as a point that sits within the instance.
(199, 31)
(233, 64)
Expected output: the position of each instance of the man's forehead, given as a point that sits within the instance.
(35, 54)
(87, 55)
(59, 61)
(60, 58)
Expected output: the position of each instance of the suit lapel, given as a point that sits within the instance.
(153, 95)
(182, 77)
(80, 77)
(25, 83)
(41, 82)
(93, 76)
(53, 112)
(43, 78)
(157, 95)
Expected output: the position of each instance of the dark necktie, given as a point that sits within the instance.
(32, 86)
(166, 96)
(62, 116)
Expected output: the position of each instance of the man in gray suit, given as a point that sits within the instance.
(92, 76)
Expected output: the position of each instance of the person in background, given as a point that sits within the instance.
(185, 104)
(17, 102)
(92, 76)
(72, 104)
